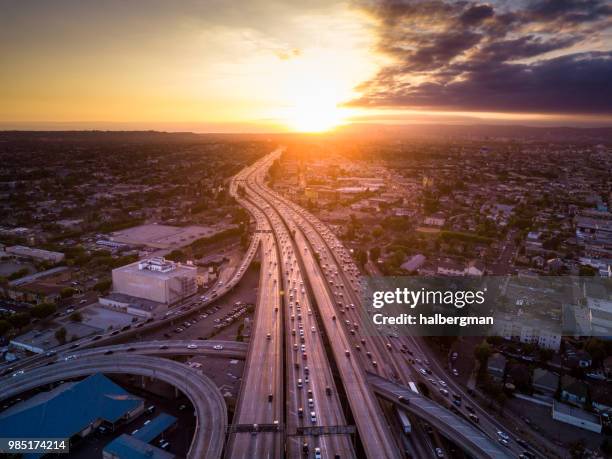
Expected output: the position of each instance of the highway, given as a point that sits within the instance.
(336, 283)
(261, 399)
(209, 348)
(309, 383)
(460, 431)
(208, 403)
(373, 430)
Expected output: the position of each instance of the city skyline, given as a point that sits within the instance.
(285, 66)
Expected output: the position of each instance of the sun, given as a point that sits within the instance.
(314, 116)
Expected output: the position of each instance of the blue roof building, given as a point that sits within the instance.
(74, 410)
(136, 446)
(129, 447)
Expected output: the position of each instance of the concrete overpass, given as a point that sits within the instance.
(208, 403)
(208, 348)
(455, 428)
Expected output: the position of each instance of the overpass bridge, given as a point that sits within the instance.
(208, 403)
(455, 428)
(208, 348)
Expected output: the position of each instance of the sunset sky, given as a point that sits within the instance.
(265, 65)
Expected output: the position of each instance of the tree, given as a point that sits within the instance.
(596, 348)
(103, 286)
(586, 270)
(76, 317)
(576, 449)
(482, 352)
(544, 355)
(19, 320)
(43, 310)
(5, 326)
(60, 335)
(374, 254)
(67, 292)
(377, 231)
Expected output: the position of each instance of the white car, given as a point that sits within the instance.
(439, 453)
(218, 347)
(317, 453)
(192, 346)
(503, 435)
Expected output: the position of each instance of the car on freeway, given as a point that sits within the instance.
(439, 453)
(192, 346)
(317, 453)
(218, 347)
(503, 435)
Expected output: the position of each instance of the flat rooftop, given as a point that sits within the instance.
(141, 268)
(165, 236)
(576, 412)
(44, 340)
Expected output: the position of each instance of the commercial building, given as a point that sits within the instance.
(137, 446)
(39, 341)
(576, 417)
(20, 251)
(127, 304)
(72, 409)
(156, 279)
(166, 236)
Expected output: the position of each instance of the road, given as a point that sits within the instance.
(460, 431)
(208, 403)
(373, 429)
(336, 286)
(309, 383)
(211, 348)
(261, 398)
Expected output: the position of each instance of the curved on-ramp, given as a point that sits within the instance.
(210, 408)
(463, 433)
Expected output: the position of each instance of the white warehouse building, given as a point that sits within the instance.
(156, 279)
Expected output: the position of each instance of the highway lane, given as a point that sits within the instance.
(208, 403)
(372, 427)
(309, 382)
(261, 399)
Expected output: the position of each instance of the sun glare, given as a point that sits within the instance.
(314, 116)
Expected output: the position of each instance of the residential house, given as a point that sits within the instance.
(496, 366)
(573, 390)
(545, 382)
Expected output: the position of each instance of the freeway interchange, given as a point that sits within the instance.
(318, 380)
(306, 266)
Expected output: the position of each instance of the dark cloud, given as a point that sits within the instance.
(476, 14)
(467, 55)
(578, 83)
